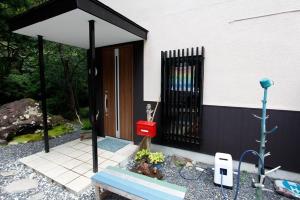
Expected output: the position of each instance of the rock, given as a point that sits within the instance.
(27, 128)
(20, 117)
(8, 173)
(143, 168)
(37, 196)
(189, 164)
(57, 120)
(85, 135)
(21, 185)
(3, 142)
(179, 161)
(31, 176)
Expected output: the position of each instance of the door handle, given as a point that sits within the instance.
(105, 102)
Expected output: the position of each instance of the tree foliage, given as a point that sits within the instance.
(66, 76)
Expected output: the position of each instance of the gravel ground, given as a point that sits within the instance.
(202, 188)
(9, 156)
(47, 190)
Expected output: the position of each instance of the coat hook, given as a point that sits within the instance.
(258, 117)
(271, 131)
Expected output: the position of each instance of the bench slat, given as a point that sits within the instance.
(141, 181)
(148, 179)
(132, 187)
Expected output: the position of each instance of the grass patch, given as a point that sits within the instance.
(27, 138)
(55, 132)
(60, 130)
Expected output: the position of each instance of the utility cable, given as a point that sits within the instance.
(190, 179)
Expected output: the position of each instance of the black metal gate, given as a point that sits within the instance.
(181, 97)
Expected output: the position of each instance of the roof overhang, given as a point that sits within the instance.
(66, 22)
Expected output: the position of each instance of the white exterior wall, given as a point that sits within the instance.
(237, 54)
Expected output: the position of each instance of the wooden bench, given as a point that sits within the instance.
(134, 186)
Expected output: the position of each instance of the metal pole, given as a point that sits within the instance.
(262, 146)
(92, 95)
(43, 91)
(263, 134)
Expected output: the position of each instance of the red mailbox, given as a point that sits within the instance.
(145, 128)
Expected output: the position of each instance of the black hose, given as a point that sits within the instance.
(222, 189)
(239, 172)
(239, 169)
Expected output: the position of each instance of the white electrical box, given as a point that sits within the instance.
(223, 165)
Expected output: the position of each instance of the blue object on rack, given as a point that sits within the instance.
(266, 83)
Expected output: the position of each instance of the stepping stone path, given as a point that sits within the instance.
(21, 185)
(37, 196)
(8, 173)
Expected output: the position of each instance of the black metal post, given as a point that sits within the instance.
(43, 90)
(92, 91)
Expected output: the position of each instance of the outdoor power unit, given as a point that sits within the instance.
(223, 165)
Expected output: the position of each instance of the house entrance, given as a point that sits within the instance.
(117, 65)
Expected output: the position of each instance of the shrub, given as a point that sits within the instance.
(86, 124)
(84, 112)
(151, 157)
(142, 154)
(156, 157)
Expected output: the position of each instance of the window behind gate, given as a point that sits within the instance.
(181, 98)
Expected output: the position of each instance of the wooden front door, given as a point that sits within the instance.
(117, 65)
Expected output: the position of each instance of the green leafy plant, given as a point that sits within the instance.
(156, 157)
(142, 154)
(86, 124)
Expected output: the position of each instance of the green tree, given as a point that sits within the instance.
(66, 77)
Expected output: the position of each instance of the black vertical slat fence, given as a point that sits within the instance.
(182, 93)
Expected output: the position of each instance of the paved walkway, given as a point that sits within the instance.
(70, 164)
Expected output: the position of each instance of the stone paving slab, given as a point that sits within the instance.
(21, 185)
(70, 164)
